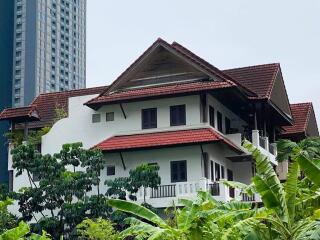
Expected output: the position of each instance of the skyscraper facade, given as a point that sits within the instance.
(49, 48)
(6, 56)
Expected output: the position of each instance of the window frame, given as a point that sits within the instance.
(211, 116)
(109, 113)
(175, 112)
(151, 124)
(93, 120)
(179, 163)
(113, 170)
(219, 121)
(227, 124)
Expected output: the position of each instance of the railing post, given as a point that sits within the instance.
(203, 185)
(266, 143)
(255, 137)
(274, 146)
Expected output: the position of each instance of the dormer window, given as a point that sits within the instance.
(149, 118)
(178, 115)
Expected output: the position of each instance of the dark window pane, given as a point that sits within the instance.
(179, 171)
(227, 125)
(217, 171)
(96, 118)
(109, 116)
(111, 170)
(212, 170)
(222, 172)
(149, 118)
(211, 115)
(219, 119)
(178, 115)
(206, 165)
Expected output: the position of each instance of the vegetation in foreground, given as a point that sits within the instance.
(291, 210)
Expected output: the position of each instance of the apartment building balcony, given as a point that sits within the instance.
(169, 194)
(262, 143)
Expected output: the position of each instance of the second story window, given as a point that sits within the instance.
(110, 116)
(178, 115)
(227, 125)
(219, 120)
(211, 116)
(149, 118)
(96, 118)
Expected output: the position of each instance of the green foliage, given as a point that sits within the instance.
(60, 113)
(7, 220)
(99, 229)
(142, 176)
(16, 137)
(22, 232)
(61, 188)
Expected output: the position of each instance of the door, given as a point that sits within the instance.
(230, 178)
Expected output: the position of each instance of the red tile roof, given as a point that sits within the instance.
(159, 91)
(20, 114)
(163, 139)
(259, 79)
(46, 104)
(301, 113)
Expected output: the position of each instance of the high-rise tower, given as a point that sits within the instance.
(6, 55)
(49, 48)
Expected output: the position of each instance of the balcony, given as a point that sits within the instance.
(166, 195)
(262, 143)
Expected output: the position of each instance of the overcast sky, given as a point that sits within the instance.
(226, 33)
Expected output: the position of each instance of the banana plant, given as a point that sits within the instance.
(281, 200)
(203, 218)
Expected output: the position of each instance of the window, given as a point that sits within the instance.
(149, 118)
(10, 180)
(219, 119)
(178, 115)
(178, 171)
(227, 125)
(217, 171)
(212, 170)
(222, 172)
(111, 170)
(211, 116)
(110, 116)
(205, 158)
(96, 118)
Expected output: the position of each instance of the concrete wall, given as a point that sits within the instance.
(78, 127)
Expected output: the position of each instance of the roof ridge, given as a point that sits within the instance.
(252, 66)
(303, 103)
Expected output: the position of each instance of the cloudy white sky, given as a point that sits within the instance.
(229, 33)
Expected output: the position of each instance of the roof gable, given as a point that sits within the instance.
(159, 63)
(278, 94)
(259, 79)
(304, 122)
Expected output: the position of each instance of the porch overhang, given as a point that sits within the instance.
(20, 115)
(165, 139)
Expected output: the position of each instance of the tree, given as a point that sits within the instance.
(143, 176)
(59, 187)
(99, 229)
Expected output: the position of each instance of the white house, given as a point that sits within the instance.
(174, 109)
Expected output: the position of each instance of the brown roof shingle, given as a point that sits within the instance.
(46, 103)
(259, 79)
(301, 114)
